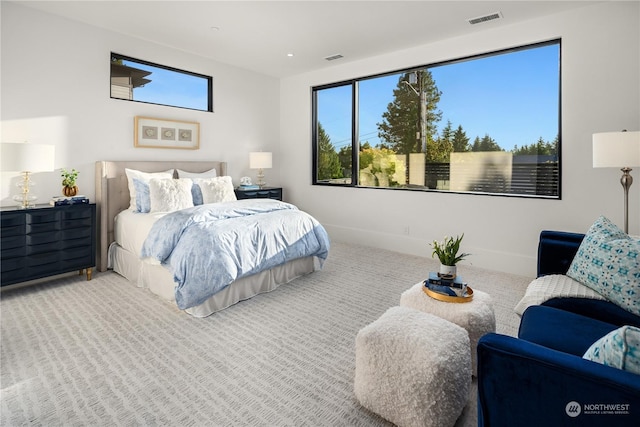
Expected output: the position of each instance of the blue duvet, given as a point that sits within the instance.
(209, 246)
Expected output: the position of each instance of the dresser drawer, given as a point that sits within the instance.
(11, 220)
(75, 233)
(75, 223)
(78, 212)
(76, 243)
(14, 275)
(42, 216)
(48, 258)
(42, 238)
(12, 264)
(80, 256)
(11, 242)
(42, 227)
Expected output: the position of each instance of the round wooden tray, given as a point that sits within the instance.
(448, 298)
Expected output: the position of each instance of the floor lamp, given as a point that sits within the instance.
(621, 150)
(26, 158)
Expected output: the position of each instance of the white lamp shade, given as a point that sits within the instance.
(260, 160)
(616, 149)
(26, 157)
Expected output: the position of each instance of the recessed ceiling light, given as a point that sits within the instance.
(290, 54)
(214, 28)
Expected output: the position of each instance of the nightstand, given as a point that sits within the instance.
(46, 240)
(261, 193)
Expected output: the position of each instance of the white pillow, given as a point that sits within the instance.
(552, 286)
(211, 173)
(215, 190)
(168, 195)
(143, 177)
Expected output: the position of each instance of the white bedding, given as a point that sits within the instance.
(130, 231)
(131, 228)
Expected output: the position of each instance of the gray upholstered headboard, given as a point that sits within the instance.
(112, 193)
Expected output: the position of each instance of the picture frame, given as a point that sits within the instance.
(166, 133)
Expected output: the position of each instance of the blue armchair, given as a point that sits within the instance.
(540, 378)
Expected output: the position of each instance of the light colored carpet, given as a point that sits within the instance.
(104, 352)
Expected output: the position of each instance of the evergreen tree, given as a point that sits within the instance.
(541, 148)
(485, 144)
(447, 133)
(344, 155)
(460, 140)
(328, 161)
(401, 123)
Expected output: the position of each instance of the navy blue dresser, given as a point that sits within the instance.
(46, 240)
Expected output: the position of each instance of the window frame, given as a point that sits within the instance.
(209, 79)
(354, 82)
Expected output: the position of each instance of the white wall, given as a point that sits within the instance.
(55, 90)
(600, 92)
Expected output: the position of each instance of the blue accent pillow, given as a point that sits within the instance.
(143, 197)
(196, 194)
(608, 261)
(619, 349)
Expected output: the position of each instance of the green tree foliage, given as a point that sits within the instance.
(460, 140)
(400, 124)
(540, 148)
(485, 144)
(442, 146)
(344, 155)
(380, 164)
(328, 160)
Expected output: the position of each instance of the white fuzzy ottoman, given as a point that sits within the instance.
(476, 316)
(413, 368)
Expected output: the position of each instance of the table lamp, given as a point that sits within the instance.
(620, 150)
(260, 160)
(26, 158)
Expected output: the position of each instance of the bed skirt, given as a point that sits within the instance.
(159, 280)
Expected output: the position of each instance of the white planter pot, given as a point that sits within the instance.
(447, 270)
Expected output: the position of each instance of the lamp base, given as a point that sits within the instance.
(626, 180)
(261, 183)
(25, 200)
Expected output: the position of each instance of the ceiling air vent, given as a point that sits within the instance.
(333, 57)
(490, 17)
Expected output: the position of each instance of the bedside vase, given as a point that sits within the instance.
(70, 191)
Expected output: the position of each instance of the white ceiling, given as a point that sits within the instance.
(257, 35)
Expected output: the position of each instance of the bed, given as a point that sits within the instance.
(123, 232)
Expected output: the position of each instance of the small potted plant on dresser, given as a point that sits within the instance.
(69, 187)
(447, 253)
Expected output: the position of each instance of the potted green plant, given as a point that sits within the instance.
(448, 254)
(69, 187)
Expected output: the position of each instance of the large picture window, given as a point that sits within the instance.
(488, 124)
(137, 80)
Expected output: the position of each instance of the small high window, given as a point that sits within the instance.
(136, 80)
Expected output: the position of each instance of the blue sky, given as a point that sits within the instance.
(512, 97)
(171, 88)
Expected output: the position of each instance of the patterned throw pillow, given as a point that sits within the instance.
(143, 198)
(619, 348)
(608, 261)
